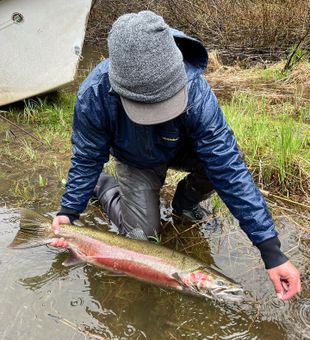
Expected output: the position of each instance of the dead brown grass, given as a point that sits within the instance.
(242, 29)
(270, 82)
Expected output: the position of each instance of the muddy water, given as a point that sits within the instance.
(41, 299)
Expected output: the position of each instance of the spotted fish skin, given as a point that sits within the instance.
(139, 259)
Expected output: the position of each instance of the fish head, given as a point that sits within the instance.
(213, 285)
(224, 289)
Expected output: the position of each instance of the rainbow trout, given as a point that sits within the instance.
(142, 260)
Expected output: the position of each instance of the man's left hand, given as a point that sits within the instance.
(286, 280)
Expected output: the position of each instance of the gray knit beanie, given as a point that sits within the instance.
(146, 67)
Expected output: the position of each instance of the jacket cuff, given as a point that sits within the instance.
(72, 214)
(271, 252)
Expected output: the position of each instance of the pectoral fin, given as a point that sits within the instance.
(73, 258)
(177, 277)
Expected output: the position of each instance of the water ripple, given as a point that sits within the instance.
(277, 303)
(130, 331)
(299, 319)
(77, 302)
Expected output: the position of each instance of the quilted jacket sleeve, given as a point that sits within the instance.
(91, 144)
(216, 146)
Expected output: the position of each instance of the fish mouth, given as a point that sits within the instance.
(235, 294)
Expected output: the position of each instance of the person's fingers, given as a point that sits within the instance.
(286, 280)
(293, 287)
(299, 286)
(61, 242)
(58, 220)
(275, 279)
(285, 285)
(53, 243)
(55, 226)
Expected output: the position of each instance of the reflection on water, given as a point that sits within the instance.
(40, 298)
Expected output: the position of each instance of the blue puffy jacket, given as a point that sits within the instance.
(101, 127)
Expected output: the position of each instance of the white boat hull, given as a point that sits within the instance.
(40, 43)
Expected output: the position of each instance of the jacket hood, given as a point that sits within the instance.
(192, 49)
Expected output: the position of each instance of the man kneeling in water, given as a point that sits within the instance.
(150, 106)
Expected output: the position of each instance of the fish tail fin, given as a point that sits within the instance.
(34, 230)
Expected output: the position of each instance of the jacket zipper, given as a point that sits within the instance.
(147, 139)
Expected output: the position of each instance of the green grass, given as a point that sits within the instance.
(274, 139)
(24, 191)
(2, 174)
(29, 151)
(37, 162)
(270, 74)
(49, 116)
(42, 181)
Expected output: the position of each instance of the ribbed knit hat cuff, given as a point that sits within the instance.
(145, 63)
(158, 94)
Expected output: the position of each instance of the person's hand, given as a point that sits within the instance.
(58, 220)
(286, 280)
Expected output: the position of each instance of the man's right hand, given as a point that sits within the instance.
(58, 220)
(286, 280)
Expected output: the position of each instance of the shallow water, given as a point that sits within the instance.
(40, 298)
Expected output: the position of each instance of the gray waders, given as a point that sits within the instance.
(132, 201)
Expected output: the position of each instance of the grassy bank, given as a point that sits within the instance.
(268, 108)
(275, 141)
(35, 158)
